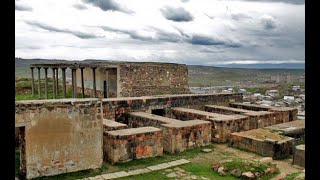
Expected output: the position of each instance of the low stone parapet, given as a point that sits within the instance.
(299, 155)
(287, 113)
(142, 119)
(109, 125)
(294, 129)
(221, 125)
(263, 142)
(134, 143)
(183, 135)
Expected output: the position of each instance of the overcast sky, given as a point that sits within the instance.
(205, 32)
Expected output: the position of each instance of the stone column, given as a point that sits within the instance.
(46, 81)
(64, 89)
(82, 82)
(57, 81)
(53, 83)
(39, 82)
(74, 82)
(32, 81)
(94, 82)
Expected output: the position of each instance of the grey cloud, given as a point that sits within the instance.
(176, 14)
(184, 1)
(78, 34)
(211, 17)
(108, 5)
(80, 6)
(22, 7)
(268, 22)
(206, 40)
(297, 2)
(239, 16)
(133, 34)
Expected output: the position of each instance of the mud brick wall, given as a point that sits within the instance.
(60, 136)
(178, 137)
(277, 149)
(299, 155)
(136, 143)
(152, 79)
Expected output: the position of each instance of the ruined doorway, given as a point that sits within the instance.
(20, 154)
(105, 94)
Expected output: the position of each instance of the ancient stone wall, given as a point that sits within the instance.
(178, 137)
(153, 79)
(115, 108)
(60, 135)
(299, 155)
(134, 143)
(263, 142)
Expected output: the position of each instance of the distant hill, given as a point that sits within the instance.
(197, 75)
(266, 66)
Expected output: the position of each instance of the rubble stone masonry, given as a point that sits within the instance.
(134, 143)
(60, 136)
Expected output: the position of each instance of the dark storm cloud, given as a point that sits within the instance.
(206, 40)
(176, 14)
(78, 34)
(80, 6)
(22, 7)
(298, 2)
(164, 36)
(108, 5)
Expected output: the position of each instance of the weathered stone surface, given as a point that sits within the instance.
(134, 143)
(236, 172)
(206, 150)
(248, 175)
(61, 136)
(263, 142)
(287, 114)
(109, 125)
(299, 155)
(294, 129)
(221, 125)
(267, 160)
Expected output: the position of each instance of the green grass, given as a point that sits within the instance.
(204, 170)
(125, 166)
(292, 176)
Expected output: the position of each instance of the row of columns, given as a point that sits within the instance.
(55, 82)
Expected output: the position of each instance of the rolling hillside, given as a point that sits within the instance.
(198, 75)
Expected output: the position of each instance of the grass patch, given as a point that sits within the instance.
(125, 166)
(204, 170)
(292, 176)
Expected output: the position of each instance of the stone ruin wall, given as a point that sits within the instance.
(60, 136)
(153, 79)
(115, 109)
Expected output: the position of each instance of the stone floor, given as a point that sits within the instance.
(157, 167)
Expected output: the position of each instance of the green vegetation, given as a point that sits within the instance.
(23, 89)
(204, 170)
(292, 176)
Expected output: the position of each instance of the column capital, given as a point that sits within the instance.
(45, 68)
(39, 68)
(93, 67)
(32, 67)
